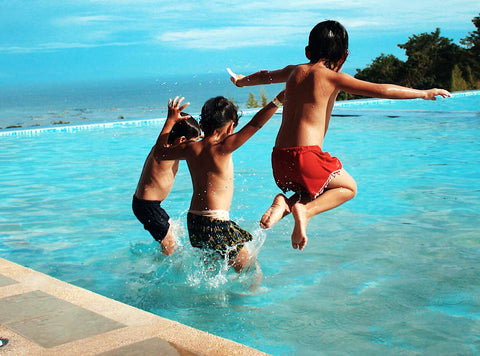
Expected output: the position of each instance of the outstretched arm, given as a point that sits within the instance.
(261, 77)
(162, 150)
(352, 85)
(234, 141)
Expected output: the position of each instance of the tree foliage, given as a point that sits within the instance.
(432, 61)
(263, 97)
(384, 69)
(252, 102)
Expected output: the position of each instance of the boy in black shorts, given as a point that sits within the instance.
(211, 168)
(156, 182)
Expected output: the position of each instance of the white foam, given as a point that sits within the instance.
(76, 128)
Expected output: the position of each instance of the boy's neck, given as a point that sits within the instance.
(218, 135)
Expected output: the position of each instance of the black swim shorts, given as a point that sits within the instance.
(223, 236)
(153, 217)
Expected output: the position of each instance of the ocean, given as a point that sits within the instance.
(85, 103)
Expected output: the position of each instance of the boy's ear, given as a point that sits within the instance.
(231, 127)
(341, 61)
(179, 140)
(307, 53)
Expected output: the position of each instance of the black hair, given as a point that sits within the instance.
(216, 113)
(188, 128)
(328, 40)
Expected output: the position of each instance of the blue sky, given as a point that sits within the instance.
(55, 41)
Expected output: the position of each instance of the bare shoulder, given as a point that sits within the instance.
(301, 68)
(195, 147)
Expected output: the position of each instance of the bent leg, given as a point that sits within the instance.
(340, 189)
(240, 260)
(168, 243)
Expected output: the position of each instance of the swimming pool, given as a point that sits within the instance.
(394, 271)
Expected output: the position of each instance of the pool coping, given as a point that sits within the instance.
(132, 327)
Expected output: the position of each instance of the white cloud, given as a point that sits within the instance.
(88, 20)
(219, 24)
(229, 37)
(57, 46)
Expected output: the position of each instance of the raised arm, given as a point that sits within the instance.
(262, 77)
(234, 141)
(352, 85)
(162, 150)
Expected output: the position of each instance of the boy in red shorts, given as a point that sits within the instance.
(299, 164)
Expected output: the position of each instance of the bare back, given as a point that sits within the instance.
(212, 175)
(309, 99)
(157, 179)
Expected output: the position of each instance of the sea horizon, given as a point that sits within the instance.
(34, 104)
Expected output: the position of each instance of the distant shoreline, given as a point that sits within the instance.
(35, 130)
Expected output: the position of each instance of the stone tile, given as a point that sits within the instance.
(25, 306)
(49, 321)
(5, 281)
(153, 346)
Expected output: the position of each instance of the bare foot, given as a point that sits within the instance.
(277, 211)
(299, 234)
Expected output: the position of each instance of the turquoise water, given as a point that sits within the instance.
(394, 271)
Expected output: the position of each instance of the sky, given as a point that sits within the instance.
(56, 41)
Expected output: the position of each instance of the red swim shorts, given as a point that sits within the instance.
(304, 169)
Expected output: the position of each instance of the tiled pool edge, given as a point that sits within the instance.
(138, 326)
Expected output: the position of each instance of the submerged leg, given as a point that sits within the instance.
(168, 243)
(240, 260)
(340, 189)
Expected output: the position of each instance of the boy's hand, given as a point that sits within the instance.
(432, 94)
(235, 77)
(175, 108)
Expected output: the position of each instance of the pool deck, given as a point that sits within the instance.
(41, 315)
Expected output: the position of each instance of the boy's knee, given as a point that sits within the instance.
(354, 191)
(241, 260)
(168, 244)
(351, 191)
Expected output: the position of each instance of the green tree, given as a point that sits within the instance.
(472, 41)
(472, 49)
(458, 83)
(431, 59)
(384, 69)
(252, 102)
(263, 97)
(233, 100)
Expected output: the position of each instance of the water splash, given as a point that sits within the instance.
(191, 273)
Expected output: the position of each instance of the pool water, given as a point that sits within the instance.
(394, 271)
